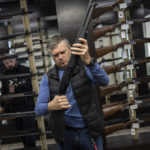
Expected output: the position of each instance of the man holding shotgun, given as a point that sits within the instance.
(84, 123)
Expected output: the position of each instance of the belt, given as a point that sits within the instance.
(74, 128)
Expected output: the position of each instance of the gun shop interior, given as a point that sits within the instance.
(118, 39)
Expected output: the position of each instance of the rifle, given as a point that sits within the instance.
(108, 60)
(8, 57)
(26, 51)
(134, 21)
(18, 45)
(102, 31)
(22, 59)
(113, 108)
(115, 68)
(16, 14)
(59, 115)
(116, 87)
(7, 37)
(9, 116)
(6, 77)
(113, 128)
(6, 97)
(105, 50)
(102, 9)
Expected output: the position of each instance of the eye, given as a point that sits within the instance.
(63, 52)
(55, 55)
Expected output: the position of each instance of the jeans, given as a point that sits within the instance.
(80, 140)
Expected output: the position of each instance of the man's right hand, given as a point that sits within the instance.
(11, 89)
(1, 110)
(59, 103)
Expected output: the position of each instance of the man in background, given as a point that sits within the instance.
(22, 104)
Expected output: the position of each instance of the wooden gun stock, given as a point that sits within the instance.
(111, 88)
(113, 109)
(114, 68)
(100, 10)
(102, 31)
(113, 128)
(105, 50)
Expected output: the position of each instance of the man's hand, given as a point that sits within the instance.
(82, 51)
(59, 103)
(1, 110)
(11, 89)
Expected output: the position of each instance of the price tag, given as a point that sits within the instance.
(130, 93)
(129, 67)
(127, 74)
(123, 5)
(135, 125)
(132, 86)
(132, 131)
(120, 14)
(127, 46)
(123, 34)
(129, 22)
(133, 107)
(124, 54)
(124, 26)
(132, 112)
(100, 26)
(138, 101)
(4, 122)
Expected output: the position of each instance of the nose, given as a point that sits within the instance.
(60, 56)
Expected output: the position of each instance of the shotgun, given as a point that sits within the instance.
(59, 115)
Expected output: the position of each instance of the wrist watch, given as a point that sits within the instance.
(92, 62)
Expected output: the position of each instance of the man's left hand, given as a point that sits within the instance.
(82, 50)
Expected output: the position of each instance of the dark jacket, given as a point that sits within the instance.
(86, 95)
(22, 84)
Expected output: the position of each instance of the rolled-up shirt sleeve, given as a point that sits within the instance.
(97, 75)
(41, 107)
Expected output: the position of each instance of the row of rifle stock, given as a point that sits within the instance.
(99, 10)
(123, 125)
(113, 108)
(105, 50)
(118, 67)
(117, 87)
(99, 32)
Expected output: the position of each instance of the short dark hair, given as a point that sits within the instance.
(55, 40)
